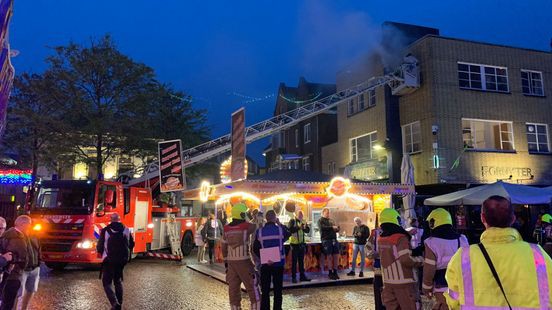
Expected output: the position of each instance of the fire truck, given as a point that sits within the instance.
(68, 216)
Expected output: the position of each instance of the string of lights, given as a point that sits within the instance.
(251, 99)
(316, 96)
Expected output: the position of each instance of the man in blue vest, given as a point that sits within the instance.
(272, 235)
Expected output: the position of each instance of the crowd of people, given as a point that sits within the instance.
(500, 272)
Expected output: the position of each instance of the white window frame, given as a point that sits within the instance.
(353, 150)
(530, 82)
(306, 163)
(352, 107)
(484, 77)
(361, 102)
(372, 98)
(471, 120)
(411, 126)
(296, 137)
(537, 138)
(307, 133)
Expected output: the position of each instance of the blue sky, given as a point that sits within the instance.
(222, 52)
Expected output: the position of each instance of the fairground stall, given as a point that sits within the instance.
(290, 190)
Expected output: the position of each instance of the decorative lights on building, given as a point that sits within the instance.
(13, 176)
(226, 170)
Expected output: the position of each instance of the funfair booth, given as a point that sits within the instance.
(290, 190)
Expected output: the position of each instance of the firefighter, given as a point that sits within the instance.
(439, 249)
(237, 259)
(501, 272)
(397, 263)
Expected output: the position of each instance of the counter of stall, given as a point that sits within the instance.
(314, 260)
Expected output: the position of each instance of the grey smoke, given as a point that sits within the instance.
(332, 40)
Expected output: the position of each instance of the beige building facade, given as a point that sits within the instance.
(482, 113)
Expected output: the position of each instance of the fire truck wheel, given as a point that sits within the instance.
(56, 266)
(187, 244)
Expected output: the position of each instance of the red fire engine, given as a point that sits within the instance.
(68, 217)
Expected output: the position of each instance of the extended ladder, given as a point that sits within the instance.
(174, 236)
(402, 81)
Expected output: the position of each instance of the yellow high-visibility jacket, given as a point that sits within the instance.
(524, 269)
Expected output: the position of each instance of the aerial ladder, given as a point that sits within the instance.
(403, 80)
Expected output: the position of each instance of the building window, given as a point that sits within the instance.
(487, 135)
(306, 163)
(537, 138)
(80, 171)
(307, 133)
(331, 168)
(352, 108)
(372, 96)
(296, 137)
(361, 105)
(531, 83)
(362, 148)
(483, 77)
(296, 164)
(412, 138)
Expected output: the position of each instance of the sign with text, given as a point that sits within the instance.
(171, 170)
(369, 170)
(497, 172)
(238, 146)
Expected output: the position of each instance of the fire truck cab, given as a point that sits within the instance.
(68, 217)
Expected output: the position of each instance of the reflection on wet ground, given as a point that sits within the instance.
(155, 284)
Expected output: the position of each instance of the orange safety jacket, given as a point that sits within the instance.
(397, 262)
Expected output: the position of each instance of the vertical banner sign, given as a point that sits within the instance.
(238, 145)
(6, 69)
(171, 170)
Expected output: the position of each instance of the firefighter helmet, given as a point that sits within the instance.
(439, 217)
(238, 211)
(547, 218)
(389, 215)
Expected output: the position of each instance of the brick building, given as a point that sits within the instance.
(482, 114)
(299, 147)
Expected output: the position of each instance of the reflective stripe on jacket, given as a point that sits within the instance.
(397, 262)
(524, 271)
(235, 241)
(270, 236)
(297, 233)
(438, 252)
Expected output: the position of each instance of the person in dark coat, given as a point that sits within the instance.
(115, 246)
(16, 241)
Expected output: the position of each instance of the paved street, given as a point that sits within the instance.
(152, 284)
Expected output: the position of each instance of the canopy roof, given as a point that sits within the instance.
(308, 183)
(517, 193)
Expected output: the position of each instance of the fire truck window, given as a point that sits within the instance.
(102, 196)
(127, 200)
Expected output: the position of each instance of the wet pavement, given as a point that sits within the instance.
(155, 284)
